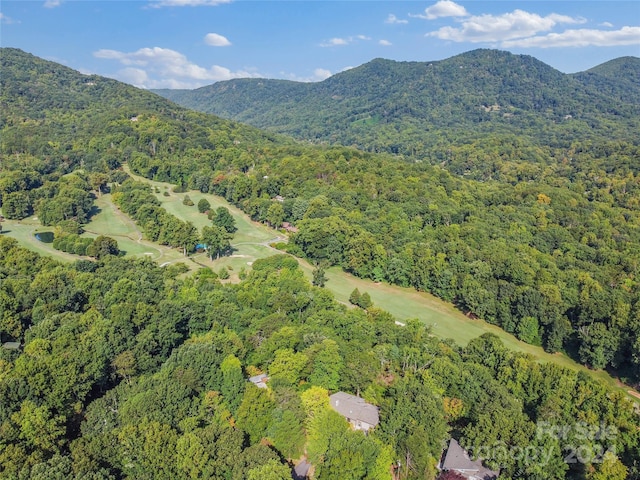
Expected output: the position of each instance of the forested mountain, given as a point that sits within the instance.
(410, 108)
(143, 376)
(62, 116)
(128, 370)
(619, 78)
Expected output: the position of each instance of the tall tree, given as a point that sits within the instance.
(224, 219)
(233, 382)
(216, 240)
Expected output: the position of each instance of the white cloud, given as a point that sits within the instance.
(338, 42)
(318, 75)
(321, 73)
(385, 43)
(7, 20)
(334, 42)
(216, 40)
(444, 8)
(52, 3)
(134, 76)
(580, 38)
(187, 3)
(606, 24)
(498, 28)
(392, 19)
(165, 68)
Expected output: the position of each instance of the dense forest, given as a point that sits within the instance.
(129, 370)
(550, 252)
(418, 109)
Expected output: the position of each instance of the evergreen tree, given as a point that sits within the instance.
(224, 219)
(233, 382)
(354, 298)
(319, 278)
(203, 205)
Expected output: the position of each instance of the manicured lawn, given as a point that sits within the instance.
(251, 243)
(248, 230)
(444, 319)
(24, 231)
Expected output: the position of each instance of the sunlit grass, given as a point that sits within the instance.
(251, 243)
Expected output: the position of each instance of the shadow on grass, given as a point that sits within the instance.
(95, 210)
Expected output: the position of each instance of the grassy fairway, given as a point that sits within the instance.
(107, 221)
(402, 303)
(251, 242)
(445, 320)
(24, 231)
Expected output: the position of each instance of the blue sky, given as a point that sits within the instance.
(191, 43)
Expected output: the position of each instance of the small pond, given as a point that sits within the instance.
(45, 237)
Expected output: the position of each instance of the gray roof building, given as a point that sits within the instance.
(360, 414)
(301, 470)
(458, 460)
(260, 381)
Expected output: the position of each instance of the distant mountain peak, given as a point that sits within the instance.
(384, 103)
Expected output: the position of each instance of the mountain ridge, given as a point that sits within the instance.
(382, 104)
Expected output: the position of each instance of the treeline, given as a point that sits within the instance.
(413, 108)
(540, 240)
(553, 261)
(136, 200)
(128, 370)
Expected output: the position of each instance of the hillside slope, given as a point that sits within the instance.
(407, 107)
(545, 245)
(63, 116)
(618, 78)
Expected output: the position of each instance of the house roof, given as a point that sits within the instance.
(458, 459)
(301, 470)
(260, 381)
(11, 345)
(354, 408)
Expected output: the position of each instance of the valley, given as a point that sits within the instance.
(252, 241)
(471, 278)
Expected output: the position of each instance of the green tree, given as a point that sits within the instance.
(315, 400)
(528, 331)
(286, 431)
(598, 344)
(288, 365)
(354, 298)
(185, 236)
(148, 450)
(275, 214)
(319, 277)
(103, 246)
(327, 366)
(254, 413)
(224, 219)
(216, 240)
(204, 205)
(39, 427)
(324, 427)
(98, 181)
(16, 205)
(233, 382)
(124, 365)
(272, 470)
(365, 301)
(611, 468)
